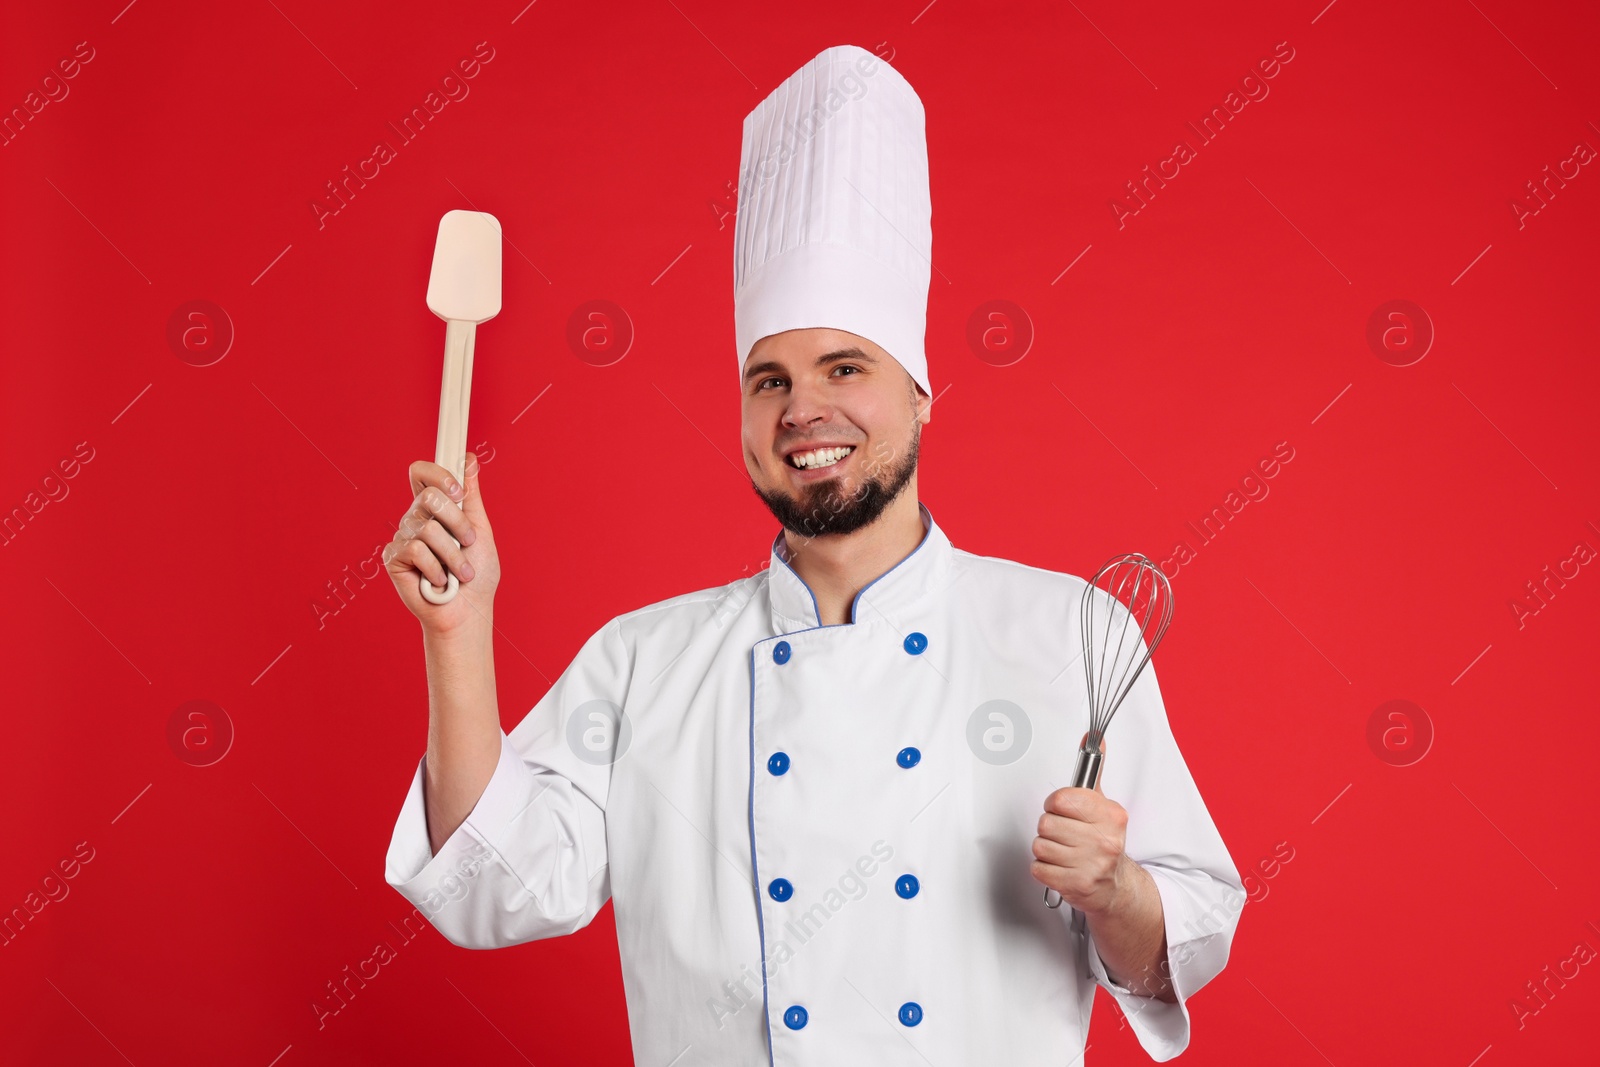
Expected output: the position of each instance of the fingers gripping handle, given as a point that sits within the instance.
(455, 392)
(1085, 776)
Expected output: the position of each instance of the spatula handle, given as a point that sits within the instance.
(450, 452)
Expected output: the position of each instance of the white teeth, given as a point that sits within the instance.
(819, 457)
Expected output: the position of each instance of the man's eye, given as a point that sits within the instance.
(763, 385)
(844, 367)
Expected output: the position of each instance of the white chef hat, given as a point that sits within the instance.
(833, 227)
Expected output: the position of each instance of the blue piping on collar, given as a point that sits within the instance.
(816, 611)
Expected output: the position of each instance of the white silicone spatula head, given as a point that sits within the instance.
(463, 290)
(464, 284)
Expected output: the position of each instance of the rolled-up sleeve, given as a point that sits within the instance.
(1170, 834)
(529, 861)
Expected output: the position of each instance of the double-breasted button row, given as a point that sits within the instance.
(915, 644)
(778, 762)
(906, 886)
(795, 1016)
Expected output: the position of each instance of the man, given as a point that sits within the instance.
(823, 799)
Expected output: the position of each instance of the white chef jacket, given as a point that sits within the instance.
(817, 838)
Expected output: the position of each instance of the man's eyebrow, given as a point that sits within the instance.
(851, 353)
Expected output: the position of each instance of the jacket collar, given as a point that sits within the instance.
(896, 591)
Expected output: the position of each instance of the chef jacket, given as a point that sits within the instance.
(817, 837)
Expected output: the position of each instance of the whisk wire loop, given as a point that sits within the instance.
(1133, 600)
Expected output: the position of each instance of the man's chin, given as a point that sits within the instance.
(825, 507)
(836, 506)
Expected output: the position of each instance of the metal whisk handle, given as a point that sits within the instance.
(1085, 776)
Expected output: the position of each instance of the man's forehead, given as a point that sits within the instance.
(813, 340)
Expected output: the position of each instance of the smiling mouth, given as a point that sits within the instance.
(818, 458)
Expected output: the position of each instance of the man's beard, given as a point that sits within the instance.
(826, 507)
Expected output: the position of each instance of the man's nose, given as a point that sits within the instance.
(807, 404)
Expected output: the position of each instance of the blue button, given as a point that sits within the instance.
(907, 885)
(780, 889)
(795, 1017)
(908, 758)
(910, 1013)
(915, 643)
(780, 652)
(778, 762)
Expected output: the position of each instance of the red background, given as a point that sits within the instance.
(186, 560)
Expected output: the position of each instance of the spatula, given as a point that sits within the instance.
(463, 290)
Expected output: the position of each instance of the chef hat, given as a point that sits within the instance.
(833, 227)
